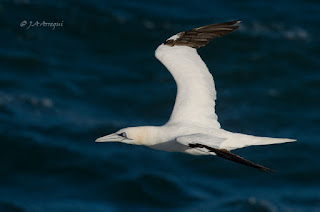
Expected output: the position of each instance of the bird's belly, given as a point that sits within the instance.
(173, 146)
(170, 146)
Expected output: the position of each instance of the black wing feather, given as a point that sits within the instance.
(223, 153)
(200, 36)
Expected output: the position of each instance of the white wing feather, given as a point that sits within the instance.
(200, 138)
(196, 94)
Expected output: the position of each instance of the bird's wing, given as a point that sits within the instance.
(205, 139)
(210, 144)
(196, 94)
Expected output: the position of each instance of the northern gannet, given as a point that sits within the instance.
(193, 127)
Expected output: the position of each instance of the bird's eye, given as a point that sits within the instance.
(123, 135)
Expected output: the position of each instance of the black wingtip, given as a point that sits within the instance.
(268, 170)
(223, 153)
(200, 36)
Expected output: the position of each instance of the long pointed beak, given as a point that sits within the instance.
(110, 138)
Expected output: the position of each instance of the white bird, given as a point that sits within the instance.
(193, 126)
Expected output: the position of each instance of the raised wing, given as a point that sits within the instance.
(195, 100)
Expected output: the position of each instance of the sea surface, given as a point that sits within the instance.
(94, 72)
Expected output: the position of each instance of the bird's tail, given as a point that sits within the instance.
(241, 140)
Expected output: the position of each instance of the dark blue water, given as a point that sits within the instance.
(62, 88)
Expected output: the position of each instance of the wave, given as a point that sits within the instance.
(275, 31)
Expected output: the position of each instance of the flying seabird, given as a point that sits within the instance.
(193, 127)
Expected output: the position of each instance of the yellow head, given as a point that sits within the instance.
(131, 135)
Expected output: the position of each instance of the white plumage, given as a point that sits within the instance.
(193, 126)
(196, 93)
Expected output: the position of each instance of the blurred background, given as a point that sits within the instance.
(63, 87)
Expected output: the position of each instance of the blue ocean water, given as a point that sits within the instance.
(95, 73)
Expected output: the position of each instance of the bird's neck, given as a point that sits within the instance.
(147, 135)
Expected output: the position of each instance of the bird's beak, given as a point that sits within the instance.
(110, 138)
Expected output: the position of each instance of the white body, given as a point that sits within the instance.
(177, 137)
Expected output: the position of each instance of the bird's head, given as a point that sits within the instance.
(130, 135)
